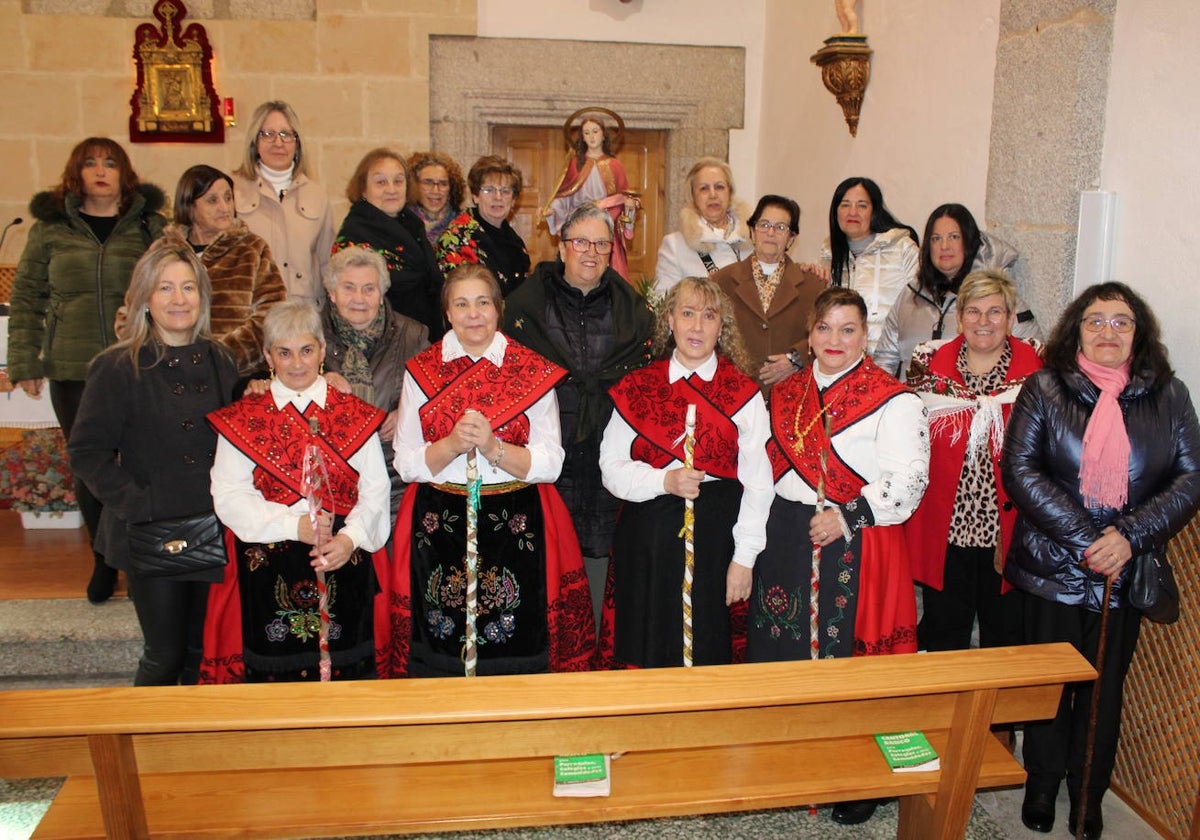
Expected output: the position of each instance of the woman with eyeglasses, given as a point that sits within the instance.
(925, 310)
(1102, 459)
(277, 200)
(379, 220)
(771, 296)
(958, 535)
(435, 192)
(482, 235)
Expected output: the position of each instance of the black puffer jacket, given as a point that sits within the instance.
(1040, 470)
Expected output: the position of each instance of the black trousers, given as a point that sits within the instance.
(171, 614)
(1054, 749)
(65, 395)
(970, 589)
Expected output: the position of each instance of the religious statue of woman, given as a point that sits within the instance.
(594, 174)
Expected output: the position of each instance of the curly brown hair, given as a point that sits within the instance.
(97, 147)
(458, 185)
(729, 340)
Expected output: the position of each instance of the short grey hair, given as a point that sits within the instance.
(354, 257)
(289, 319)
(584, 211)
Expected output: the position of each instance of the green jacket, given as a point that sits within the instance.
(68, 285)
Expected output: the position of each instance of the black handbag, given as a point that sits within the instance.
(1152, 588)
(177, 546)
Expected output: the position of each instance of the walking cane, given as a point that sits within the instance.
(1093, 712)
(314, 479)
(689, 534)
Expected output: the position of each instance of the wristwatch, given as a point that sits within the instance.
(793, 356)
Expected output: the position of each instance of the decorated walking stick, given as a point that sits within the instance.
(689, 534)
(470, 645)
(1093, 712)
(314, 479)
(815, 583)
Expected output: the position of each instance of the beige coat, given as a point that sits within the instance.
(299, 230)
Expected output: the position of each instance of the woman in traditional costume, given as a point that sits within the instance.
(477, 407)
(962, 529)
(850, 451)
(643, 460)
(593, 174)
(294, 521)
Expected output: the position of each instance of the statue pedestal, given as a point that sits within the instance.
(845, 63)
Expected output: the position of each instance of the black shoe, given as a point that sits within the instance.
(100, 587)
(1037, 811)
(853, 813)
(1093, 823)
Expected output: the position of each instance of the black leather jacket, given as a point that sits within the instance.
(1040, 470)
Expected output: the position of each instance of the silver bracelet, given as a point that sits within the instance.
(495, 462)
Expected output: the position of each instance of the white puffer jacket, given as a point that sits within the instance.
(879, 274)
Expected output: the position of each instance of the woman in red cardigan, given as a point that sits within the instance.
(958, 536)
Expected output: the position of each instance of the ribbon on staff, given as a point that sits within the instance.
(689, 534)
(314, 478)
(470, 654)
(814, 593)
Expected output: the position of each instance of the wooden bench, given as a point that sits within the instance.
(428, 755)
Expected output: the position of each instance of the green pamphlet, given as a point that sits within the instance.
(908, 752)
(582, 775)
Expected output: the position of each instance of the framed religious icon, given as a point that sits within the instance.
(174, 101)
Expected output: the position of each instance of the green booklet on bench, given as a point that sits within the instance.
(582, 775)
(908, 752)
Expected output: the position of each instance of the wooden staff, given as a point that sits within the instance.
(814, 604)
(314, 479)
(1093, 712)
(470, 651)
(689, 534)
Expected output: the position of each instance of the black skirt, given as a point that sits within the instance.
(648, 565)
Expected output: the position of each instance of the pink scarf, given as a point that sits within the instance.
(1104, 465)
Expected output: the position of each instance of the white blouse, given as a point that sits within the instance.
(545, 435)
(637, 481)
(889, 448)
(242, 508)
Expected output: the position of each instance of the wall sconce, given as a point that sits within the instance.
(845, 63)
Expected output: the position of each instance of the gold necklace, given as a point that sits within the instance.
(801, 434)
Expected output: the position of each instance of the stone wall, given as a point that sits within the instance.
(1047, 142)
(357, 72)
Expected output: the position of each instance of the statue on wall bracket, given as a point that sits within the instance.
(845, 63)
(174, 101)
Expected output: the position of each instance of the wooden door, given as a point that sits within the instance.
(540, 153)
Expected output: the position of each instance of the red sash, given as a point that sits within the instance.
(274, 439)
(502, 394)
(657, 411)
(798, 414)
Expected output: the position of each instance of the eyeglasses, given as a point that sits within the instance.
(430, 184)
(284, 136)
(778, 227)
(582, 246)
(502, 191)
(972, 313)
(1120, 324)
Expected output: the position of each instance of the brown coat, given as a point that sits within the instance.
(785, 326)
(246, 283)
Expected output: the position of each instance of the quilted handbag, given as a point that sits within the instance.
(177, 546)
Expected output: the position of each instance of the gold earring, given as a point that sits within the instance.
(272, 372)
(321, 370)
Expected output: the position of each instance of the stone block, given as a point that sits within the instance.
(424, 27)
(104, 104)
(54, 44)
(257, 10)
(267, 46)
(1045, 273)
(1022, 15)
(396, 109)
(18, 157)
(330, 107)
(39, 104)
(1047, 123)
(13, 56)
(364, 44)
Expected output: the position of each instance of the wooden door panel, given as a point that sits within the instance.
(540, 154)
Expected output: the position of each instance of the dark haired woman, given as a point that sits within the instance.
(379, 220)
(771, 296)
(277, 199)
(90, 231)
(435, 192)
(142, 444)
(482, 234)
(594, 174)
(868, 250)
(245, 280)
(700, 362)
(953, 247)
(1102, 458)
